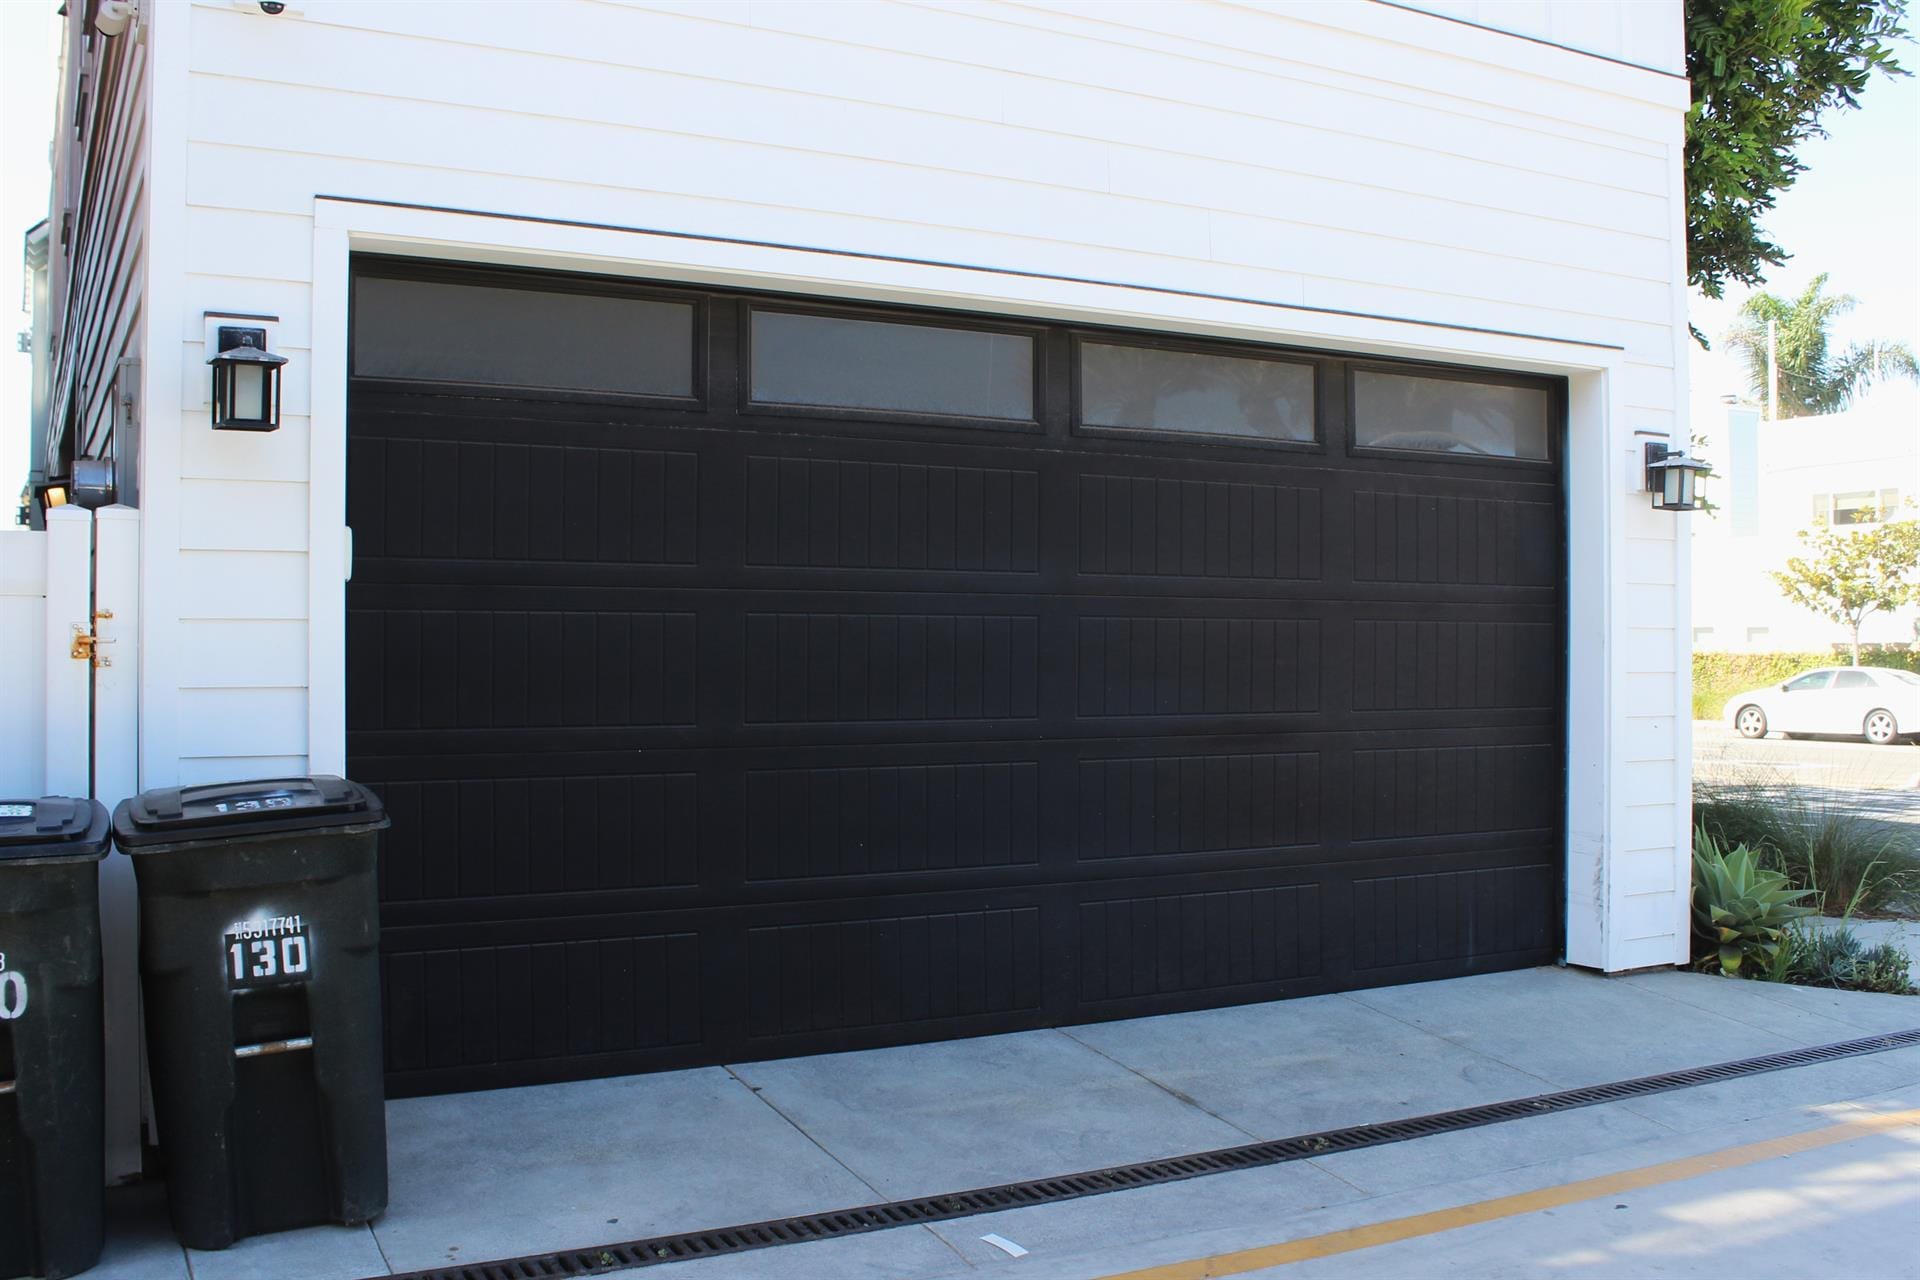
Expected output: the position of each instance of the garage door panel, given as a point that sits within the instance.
(852, 514)
(523, 669)
(498, 1006)
(1144, 526)
(861, 820)
(482, 837)
(837, 668)
(1179, 943)
(1195, 804)
(1440, 915)
(908, 972)
(1401, 792)
(1463, 540)
(1197, 666)
(1411, 663)
(514, 501)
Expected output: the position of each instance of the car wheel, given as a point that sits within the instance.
(1751, 721)
(1880, 728)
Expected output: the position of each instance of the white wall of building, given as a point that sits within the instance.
(1768, 476)
(1361, 176)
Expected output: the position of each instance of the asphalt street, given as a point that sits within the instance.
(1883, 781)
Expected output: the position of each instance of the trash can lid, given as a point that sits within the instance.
(52, 827)
(230, 810)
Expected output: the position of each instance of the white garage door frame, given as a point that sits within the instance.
(1600, 470)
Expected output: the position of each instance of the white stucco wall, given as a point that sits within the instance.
(1363, 176)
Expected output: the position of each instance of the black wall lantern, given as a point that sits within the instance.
(246, 381)
(1672, 478)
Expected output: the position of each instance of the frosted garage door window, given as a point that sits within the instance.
(833, 362)
(425, 330)
(1445, 415)
(1150, 389)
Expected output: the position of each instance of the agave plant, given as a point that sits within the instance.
(1741, 910)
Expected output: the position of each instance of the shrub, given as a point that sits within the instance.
(1718, 676)
(1741, 910)
(1852, 862)
(1836, 957)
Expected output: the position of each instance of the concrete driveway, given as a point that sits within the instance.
(511, 1172)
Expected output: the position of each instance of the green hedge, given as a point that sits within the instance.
(1718, 676)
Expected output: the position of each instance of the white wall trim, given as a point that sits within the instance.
(163, 421)
(1596, 492)
(1682, 557)
(328, 565)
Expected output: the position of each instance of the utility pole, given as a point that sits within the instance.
(1773, 370)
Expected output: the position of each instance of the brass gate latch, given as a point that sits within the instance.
(86, 643)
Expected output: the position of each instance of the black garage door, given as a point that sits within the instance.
(751, 676)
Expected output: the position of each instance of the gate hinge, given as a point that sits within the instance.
(87, 642)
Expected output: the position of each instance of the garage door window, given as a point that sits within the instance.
(1158, 389)
(1450, 415)
(839, 362)
(434, 331)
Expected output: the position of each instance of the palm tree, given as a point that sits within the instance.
(1812, 379)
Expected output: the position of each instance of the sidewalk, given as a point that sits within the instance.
(481, 1176)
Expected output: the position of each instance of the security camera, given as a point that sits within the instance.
(115, 16)
(273, 8)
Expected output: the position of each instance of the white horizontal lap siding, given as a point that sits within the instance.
(1182, 169)
(1357, 157)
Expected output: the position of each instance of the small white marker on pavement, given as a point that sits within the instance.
(1001, 1242)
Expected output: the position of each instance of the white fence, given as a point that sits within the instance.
(23, 647)
(70, 726)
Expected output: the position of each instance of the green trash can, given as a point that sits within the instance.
(52, 1170)
(259, 959)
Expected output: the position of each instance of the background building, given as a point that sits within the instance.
(1774, 479)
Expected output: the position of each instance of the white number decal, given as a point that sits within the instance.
(13, 995)
(266, 958)
(252, 960)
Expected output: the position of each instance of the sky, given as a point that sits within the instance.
(1855, 215)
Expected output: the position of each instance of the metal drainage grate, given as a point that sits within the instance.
(1073, 1186)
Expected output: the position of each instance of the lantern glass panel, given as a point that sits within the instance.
(250, 392)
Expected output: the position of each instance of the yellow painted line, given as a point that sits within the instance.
(1466, 1215)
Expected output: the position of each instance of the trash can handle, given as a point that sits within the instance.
(269, 1047)
(52, 813)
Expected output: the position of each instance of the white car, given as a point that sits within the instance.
(1876, 703)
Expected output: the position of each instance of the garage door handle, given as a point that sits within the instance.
(268, 1048)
